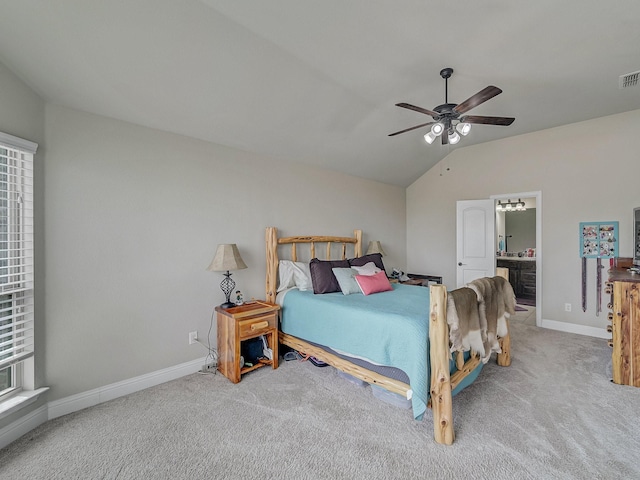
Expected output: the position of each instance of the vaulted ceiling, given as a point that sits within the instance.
(317, 81)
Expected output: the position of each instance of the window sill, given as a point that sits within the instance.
(21, 400)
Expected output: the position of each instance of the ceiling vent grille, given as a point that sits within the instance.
(629, 80)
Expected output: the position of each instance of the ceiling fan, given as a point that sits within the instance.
(448, 122)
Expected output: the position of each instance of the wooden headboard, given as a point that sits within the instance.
(272, 242)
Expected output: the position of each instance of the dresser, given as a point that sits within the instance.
(624, 288)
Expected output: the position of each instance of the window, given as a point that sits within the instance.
(16, 262)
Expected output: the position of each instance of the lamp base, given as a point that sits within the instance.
(227, 285)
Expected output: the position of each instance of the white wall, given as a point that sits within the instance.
(587, 171)
(21, 109)
(133, 217)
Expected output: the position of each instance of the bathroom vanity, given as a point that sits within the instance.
(522, 275)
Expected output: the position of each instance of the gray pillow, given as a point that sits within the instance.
(346, 280)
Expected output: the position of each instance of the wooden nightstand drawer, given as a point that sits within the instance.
(256, 326)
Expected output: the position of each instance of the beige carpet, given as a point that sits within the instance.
(552, 414)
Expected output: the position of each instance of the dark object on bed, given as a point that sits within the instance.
(322, 277)
(376, 258)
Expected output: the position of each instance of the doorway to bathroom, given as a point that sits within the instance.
(519, 248)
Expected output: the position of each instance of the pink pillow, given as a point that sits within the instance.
(373, 283)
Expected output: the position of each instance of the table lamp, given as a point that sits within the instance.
(375, 247)
(227, 258)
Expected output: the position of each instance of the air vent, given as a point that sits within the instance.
(629, 80)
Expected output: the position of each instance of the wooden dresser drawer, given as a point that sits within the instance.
(255, 325)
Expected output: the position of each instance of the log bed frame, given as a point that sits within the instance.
(442, 382)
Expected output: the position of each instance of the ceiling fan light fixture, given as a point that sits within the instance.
(463, 128)
(437, 129)
(449, 118)
(429, 137)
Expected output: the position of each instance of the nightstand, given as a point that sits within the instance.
(241, 323)
(420, 280)
(424, 280)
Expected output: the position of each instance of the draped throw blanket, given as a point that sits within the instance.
(465, 329)
(477, 315)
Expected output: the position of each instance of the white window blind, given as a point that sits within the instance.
(16, 250)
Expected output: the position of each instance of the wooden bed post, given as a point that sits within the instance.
(439, 354)
(504, 358)
(271, 242)
(358, 245)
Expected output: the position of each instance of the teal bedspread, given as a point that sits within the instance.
(388, 328)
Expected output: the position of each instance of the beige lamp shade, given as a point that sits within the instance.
(227, 257)
(375, 247)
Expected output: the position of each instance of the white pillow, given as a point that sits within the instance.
(294, 274)
(302, 276)
(367, 269)
(285, 274)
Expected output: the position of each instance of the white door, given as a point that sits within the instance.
(476, 240)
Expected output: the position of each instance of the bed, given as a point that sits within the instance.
(406, 329)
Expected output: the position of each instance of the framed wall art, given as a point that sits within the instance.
(598, 239)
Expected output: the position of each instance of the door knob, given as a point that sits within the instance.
(460, 264)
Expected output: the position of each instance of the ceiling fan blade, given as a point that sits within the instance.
(417, 109)
(475, 100)
(412, 128)
(502, 121)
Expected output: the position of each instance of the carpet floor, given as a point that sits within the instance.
(554, 414)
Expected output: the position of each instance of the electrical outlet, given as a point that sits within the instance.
(567, 307)
(209, 368)
(193, 337)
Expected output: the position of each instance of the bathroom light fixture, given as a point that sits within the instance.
(510, 206)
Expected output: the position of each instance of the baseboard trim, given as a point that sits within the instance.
(575, 328)
(98, 395)
(73, 403)
(23, 425)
